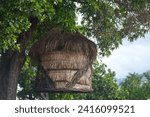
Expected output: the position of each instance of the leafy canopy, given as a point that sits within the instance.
(136, 86)
(108, 21)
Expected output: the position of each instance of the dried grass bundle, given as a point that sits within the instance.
(56, 40)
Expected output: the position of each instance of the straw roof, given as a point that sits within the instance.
(57, 40)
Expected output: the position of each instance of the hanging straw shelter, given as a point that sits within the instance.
(65, 60)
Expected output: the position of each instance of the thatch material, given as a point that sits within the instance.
(66, 60)
(61, 75)
(58, 79)
(63, 60)
(56, 40)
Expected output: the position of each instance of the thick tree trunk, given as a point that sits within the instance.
(10, 69)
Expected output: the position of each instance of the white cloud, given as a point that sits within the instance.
(130, 57)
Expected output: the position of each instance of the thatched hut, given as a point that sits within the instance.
(65, 60)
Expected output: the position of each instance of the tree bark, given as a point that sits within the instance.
(10, 69)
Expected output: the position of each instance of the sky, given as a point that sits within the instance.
(130, 57)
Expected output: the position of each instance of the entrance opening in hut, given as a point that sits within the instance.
(65, 62)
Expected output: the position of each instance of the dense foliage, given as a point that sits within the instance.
(136, 86)
(109, 21)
